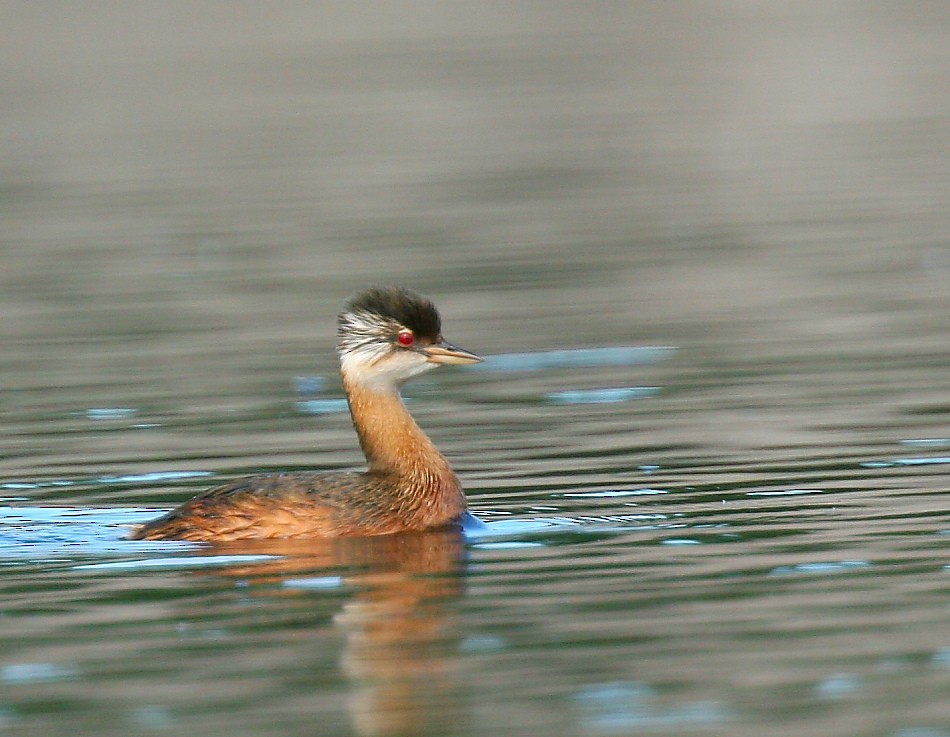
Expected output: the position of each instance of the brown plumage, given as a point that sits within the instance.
(385, 336)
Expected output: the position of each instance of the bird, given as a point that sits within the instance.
(385, 336)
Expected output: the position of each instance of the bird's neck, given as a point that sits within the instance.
(391, 440)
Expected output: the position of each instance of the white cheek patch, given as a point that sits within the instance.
(371, 369)
(360, 331)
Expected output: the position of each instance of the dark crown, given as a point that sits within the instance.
(400, 306)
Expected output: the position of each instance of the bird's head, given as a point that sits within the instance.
(386, 335)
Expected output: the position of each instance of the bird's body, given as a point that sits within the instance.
(385, 337)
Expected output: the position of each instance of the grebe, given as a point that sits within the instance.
(385, 336)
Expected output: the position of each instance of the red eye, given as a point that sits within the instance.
(405, 338)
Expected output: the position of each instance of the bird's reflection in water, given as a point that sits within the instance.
(400, 635)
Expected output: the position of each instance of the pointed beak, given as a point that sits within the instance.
(443, 352)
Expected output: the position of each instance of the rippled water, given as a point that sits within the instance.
(705, 250)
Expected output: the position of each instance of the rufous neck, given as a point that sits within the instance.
(391, 440)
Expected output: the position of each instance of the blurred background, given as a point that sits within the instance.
(190, 190)
(553, 174)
